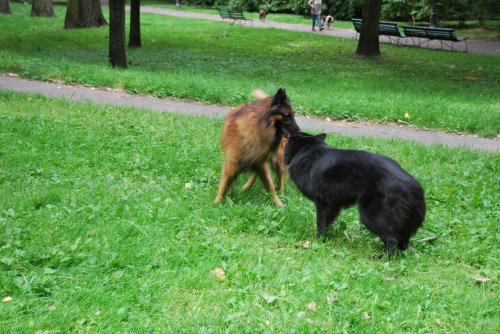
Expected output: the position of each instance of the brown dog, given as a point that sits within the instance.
(252, 135)
(262, 14)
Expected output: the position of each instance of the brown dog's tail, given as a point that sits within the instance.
(259, 94)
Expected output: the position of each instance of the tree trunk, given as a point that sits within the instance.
(117, 51)
(84, 14)
(135, 24)
(368, 39)
(42, 8)
(5, 7)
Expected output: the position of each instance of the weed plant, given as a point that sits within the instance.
(219, 63)
(107, 226)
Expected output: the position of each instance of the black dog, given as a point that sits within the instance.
(391, 202)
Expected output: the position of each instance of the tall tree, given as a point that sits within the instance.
(117, 50)
(134, 39)
(368, 44)
(5, 7)
(42, 8)
(84, 14)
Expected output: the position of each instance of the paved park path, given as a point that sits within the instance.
(116, 97)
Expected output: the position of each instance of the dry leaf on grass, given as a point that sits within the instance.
(312, 306)
(305, 244)
(332, 299)
(7, 299)
(309, 320)
(268, 298)
(219, 273)
(482, 279)
(366, 316)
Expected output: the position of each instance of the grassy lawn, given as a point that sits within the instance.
(218, 63)
(107, 226)
(490, 31)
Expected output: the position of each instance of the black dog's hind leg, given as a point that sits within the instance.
(378, 218)
(325, 215)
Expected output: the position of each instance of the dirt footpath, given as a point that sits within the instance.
(115, 97)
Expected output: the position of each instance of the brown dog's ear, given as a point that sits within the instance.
(322, 136)
(279, 97)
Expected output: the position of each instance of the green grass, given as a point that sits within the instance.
(218, 63)
(490, 31)
(107, 226)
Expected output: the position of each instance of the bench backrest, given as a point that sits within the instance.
(230, 13)
(236, 14)
(430, 33)
(384, 28)
(357, 24)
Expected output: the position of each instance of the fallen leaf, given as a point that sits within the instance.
(51, 307)
(407, 115)
(388, 279)
(268, 298)
(472, 78)
(309, 320)
(328, 119)
(366, 316)
(219, 273)
(332, 299)
(482, 279)
(305, 244)
(312, 306)
(7, 299)
(187, 185)
(438, 321)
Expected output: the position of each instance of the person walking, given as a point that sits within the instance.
(315, 6)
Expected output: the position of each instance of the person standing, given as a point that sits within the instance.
(315, 6)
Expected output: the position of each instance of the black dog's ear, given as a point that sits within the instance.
(279, 97)
(321, 136)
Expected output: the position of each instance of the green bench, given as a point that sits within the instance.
(234, 15)
(441, 34)
(385, 28)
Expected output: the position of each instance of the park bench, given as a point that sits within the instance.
(441, 34)
(385, 28)
(234, 15)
